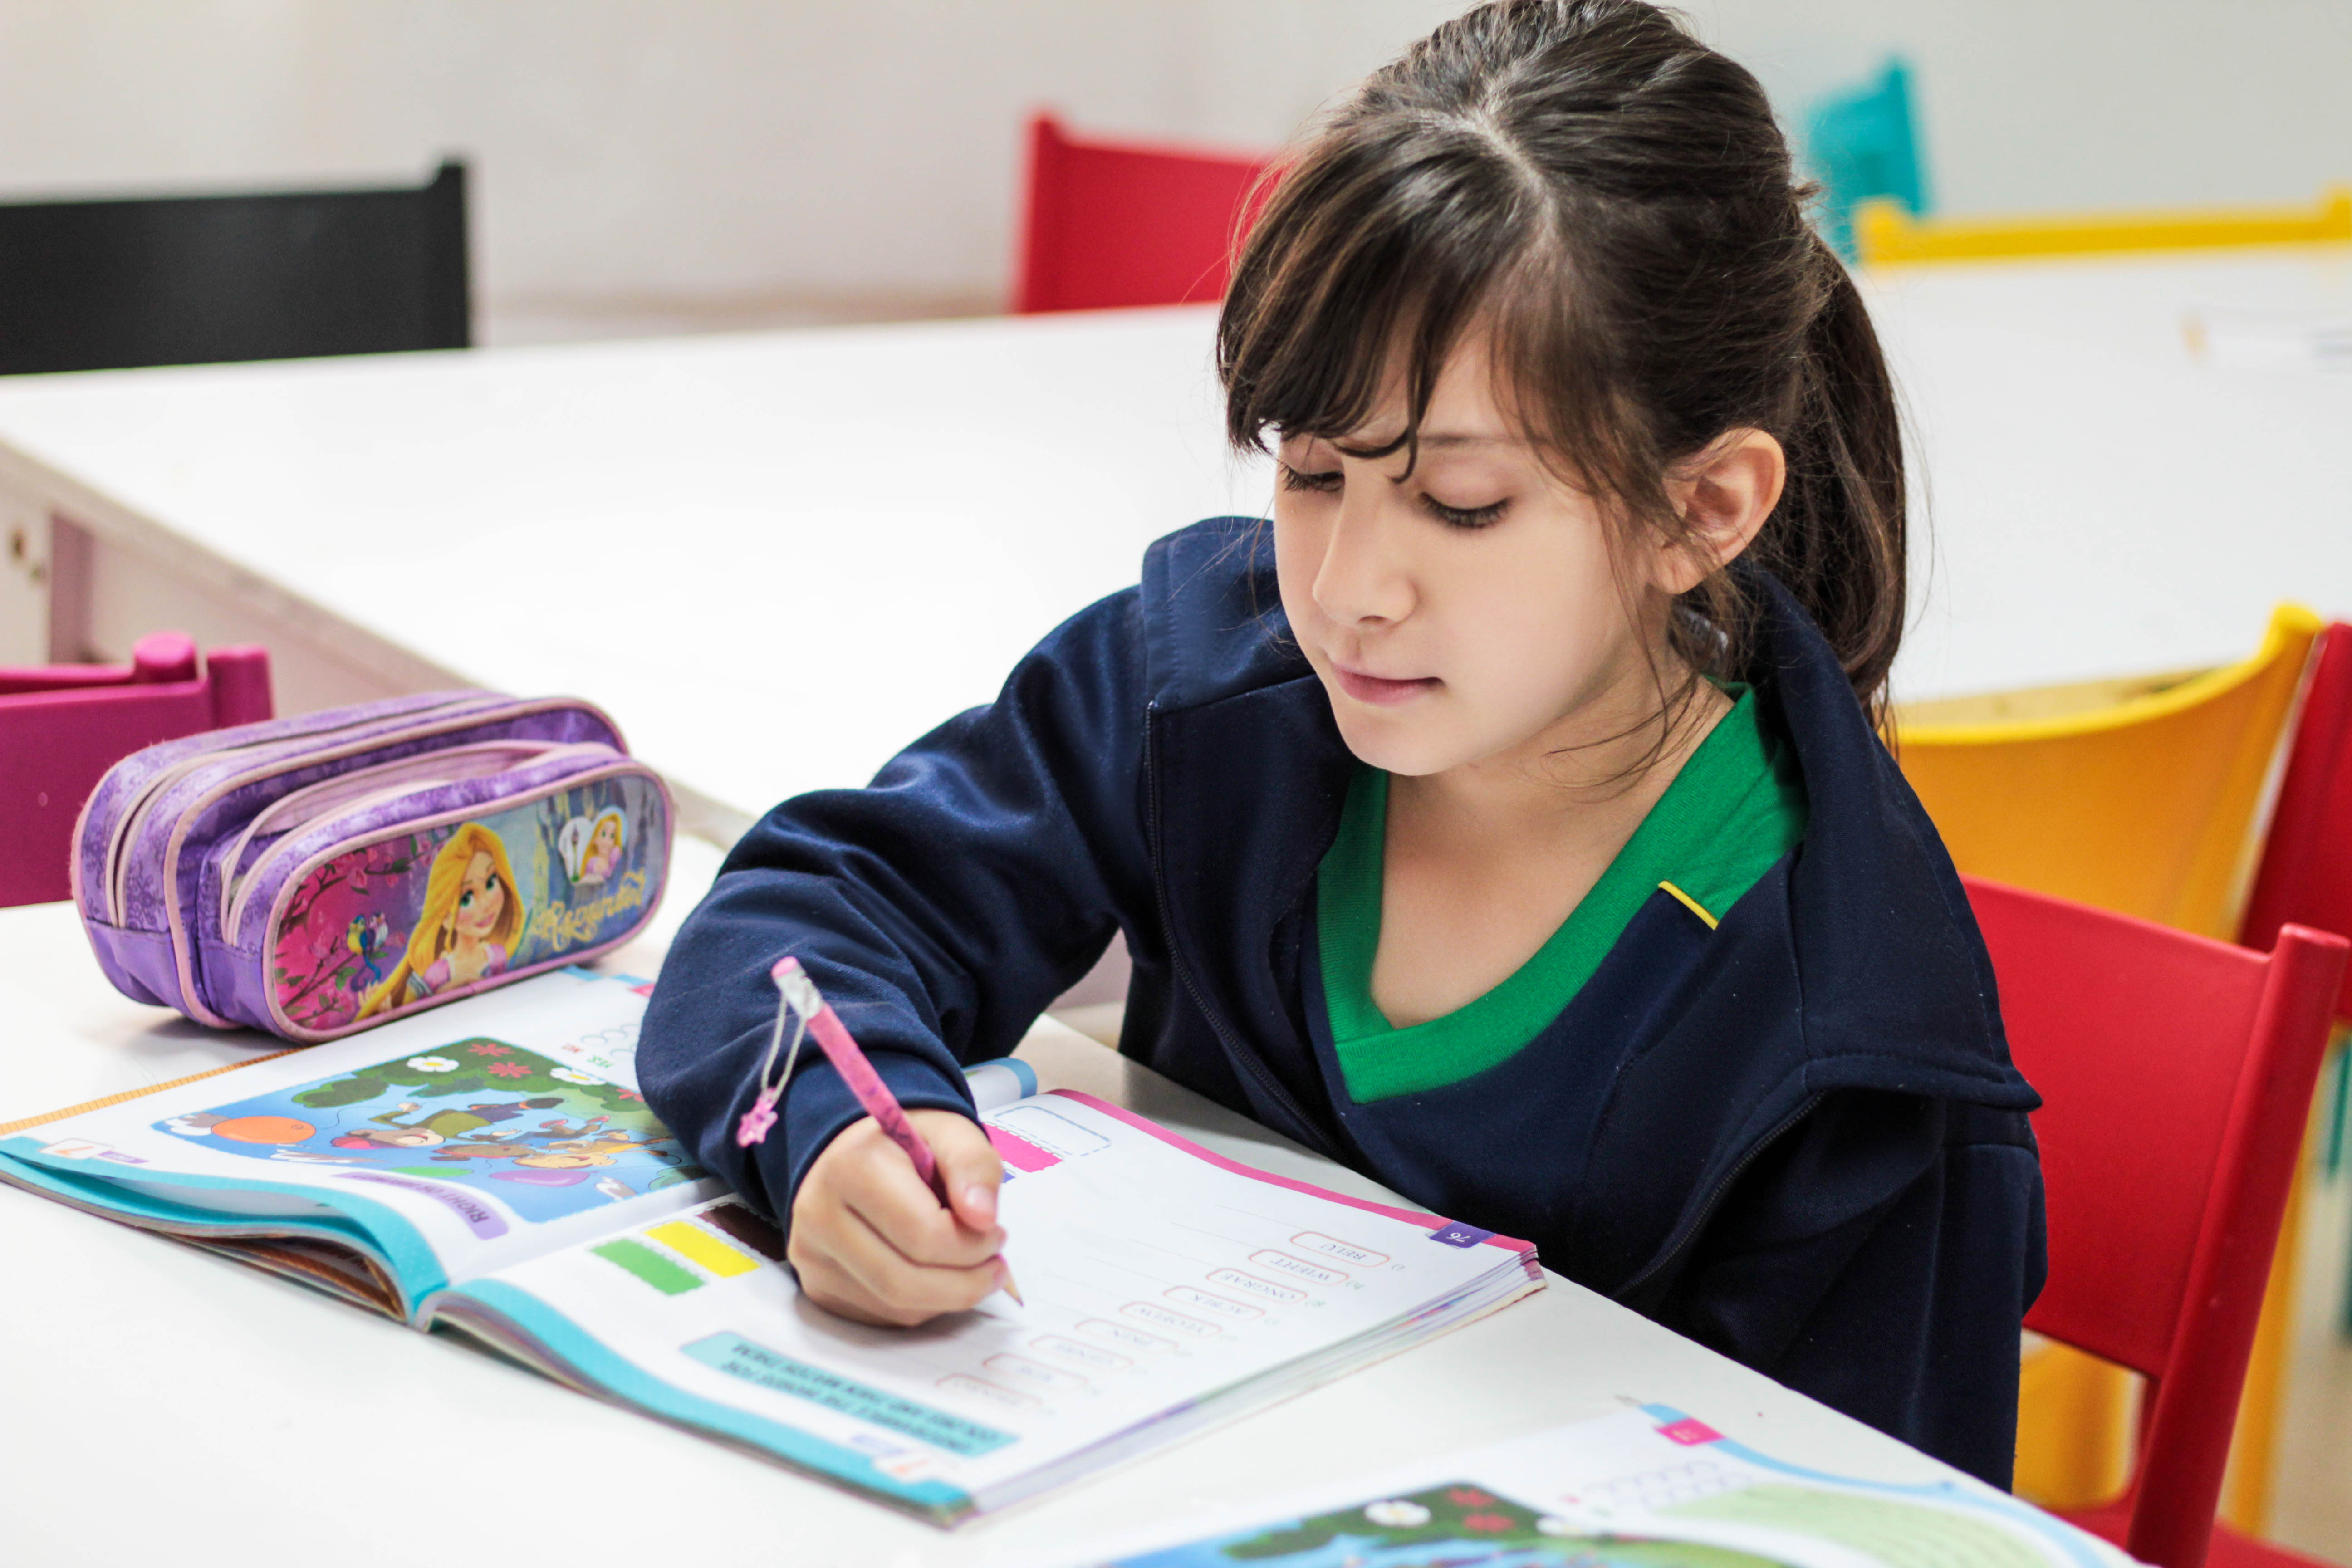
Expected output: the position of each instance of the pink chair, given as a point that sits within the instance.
(61, 727)
(1119, 223)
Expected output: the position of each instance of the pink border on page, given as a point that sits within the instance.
(1143, 1124)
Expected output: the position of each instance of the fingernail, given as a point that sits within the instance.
(981, 1200)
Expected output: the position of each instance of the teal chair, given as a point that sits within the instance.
(1865, 143)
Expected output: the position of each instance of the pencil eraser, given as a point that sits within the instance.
(800, 991)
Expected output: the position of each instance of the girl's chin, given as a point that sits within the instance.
(1395, 747)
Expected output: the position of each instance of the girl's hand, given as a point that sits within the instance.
(871, 1242)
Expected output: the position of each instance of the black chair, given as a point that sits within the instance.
(104, 285)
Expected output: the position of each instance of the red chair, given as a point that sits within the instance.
(63, 726)
(1117, 223)
(2176, 1073)
(2305, 874)
(2304, 877)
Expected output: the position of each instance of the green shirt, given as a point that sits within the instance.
(1736, 807)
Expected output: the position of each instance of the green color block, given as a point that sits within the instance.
(649, 1266)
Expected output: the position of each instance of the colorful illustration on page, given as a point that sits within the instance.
(1458, 1525)
(544, 1139)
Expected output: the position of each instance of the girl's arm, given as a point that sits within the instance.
(940, 908)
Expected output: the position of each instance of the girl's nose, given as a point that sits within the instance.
(1363, 580)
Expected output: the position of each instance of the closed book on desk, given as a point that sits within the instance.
(490, 1168)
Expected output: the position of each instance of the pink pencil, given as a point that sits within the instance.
(848, 1059)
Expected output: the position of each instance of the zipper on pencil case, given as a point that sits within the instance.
(184, 964)
(332, 800)
(134, 813)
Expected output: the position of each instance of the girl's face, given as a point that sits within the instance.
(1469, 609)
(481, 899)
(608, 837)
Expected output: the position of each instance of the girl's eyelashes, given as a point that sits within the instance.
(1294, 480)
(1464, 517)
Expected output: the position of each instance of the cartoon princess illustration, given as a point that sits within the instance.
(606, 838)
(472, 917)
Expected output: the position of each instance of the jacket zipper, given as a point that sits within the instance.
(1248, 1059)
(1722, 1190)
(288, 815)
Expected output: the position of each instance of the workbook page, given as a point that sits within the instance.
(1155, 1274)
(443, 1144)
(1650, 1487)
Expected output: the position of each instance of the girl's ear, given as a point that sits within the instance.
(1724, 494)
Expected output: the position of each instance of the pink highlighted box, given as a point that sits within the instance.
(1019, 1153)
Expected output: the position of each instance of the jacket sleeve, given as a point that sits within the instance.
(1881, 1256)
(940, 908)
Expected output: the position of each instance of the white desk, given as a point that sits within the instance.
(166, 1404)
(777, 558)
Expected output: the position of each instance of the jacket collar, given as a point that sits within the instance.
(1249, 774)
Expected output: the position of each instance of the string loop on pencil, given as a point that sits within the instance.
(753, 1129)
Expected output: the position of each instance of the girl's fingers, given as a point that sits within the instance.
(876, 1182)
(869, 1238)
(835, 1291)
(968, 1167)
(887, 1283)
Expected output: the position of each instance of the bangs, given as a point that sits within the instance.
(1377, 254)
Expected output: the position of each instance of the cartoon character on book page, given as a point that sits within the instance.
(546, 1139)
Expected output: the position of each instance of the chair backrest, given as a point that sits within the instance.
(1865, 143)
(103, 285)
(61, 729)
(2143, 806)
(1885, 232)
(2305, 873)
(1118, 223)
(2176, 1073)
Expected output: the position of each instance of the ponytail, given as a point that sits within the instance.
(1837, 541)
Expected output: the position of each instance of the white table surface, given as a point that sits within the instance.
(164, 1404)
(778, 557)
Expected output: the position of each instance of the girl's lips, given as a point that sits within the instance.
(1379, 690)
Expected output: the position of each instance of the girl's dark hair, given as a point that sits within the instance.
(1614, 202)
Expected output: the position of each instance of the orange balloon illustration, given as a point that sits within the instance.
(263, 1130)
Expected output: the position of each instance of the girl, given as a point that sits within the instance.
(606, 842)
(1510, 824)
(472, 918)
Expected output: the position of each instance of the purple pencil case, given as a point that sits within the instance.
(318, 875)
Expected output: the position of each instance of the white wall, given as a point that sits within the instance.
(676, 154)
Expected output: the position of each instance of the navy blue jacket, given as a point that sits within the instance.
(1797, 1139)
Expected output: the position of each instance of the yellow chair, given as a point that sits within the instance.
(1884, 231)
(2138, 795)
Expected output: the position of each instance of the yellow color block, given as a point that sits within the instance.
(1884, 231)
(698, 1246)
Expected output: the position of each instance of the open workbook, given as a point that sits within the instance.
(490, 1167)
(1648, 1486)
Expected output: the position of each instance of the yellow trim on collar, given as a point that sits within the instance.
(1693, 905)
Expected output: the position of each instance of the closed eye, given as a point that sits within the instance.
(1293, 479)
(1464, 517)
